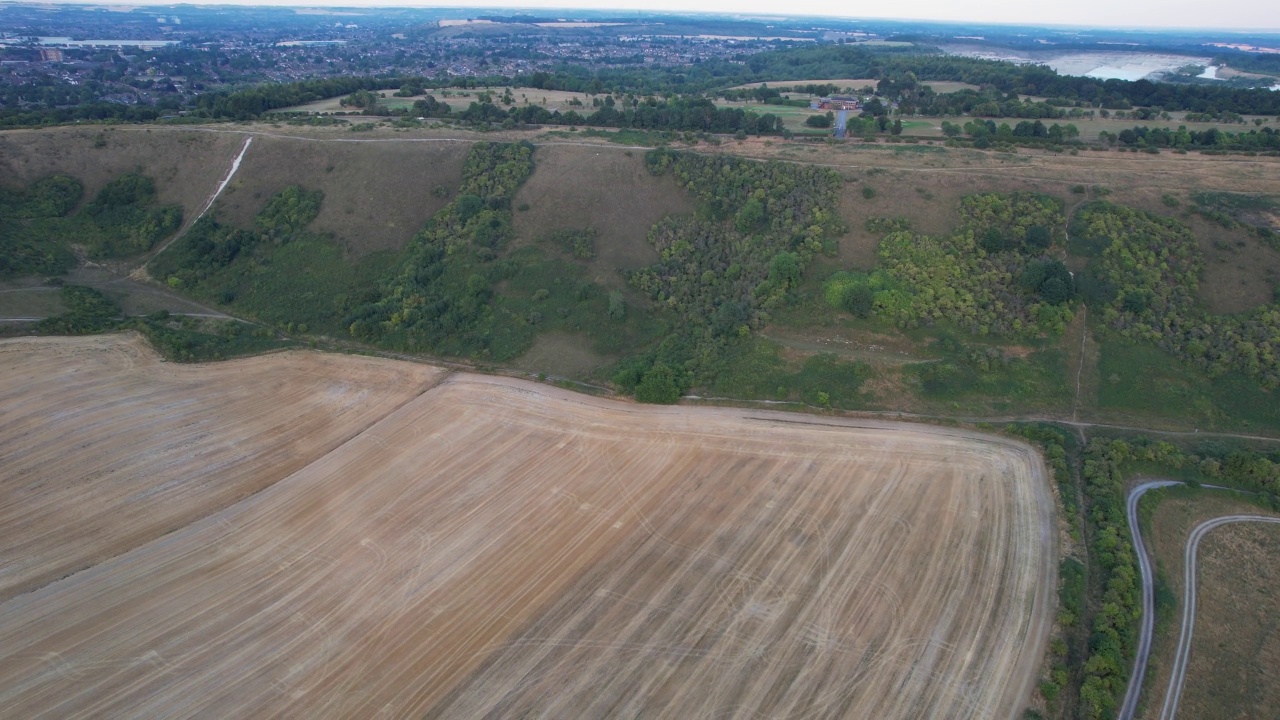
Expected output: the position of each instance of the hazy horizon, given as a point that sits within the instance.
(1230, 15)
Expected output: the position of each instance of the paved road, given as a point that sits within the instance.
(1174, 693)
(1146, 628)
(1130, 704)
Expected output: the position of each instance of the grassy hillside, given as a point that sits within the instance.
(603, 263)
(185, 164)
(377, 195)
(605, 190)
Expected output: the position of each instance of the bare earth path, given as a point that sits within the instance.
(141, 273)
(503, 548)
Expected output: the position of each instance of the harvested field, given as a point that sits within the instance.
(949, 86)
(855, 83)
(458, 100)
(495, 547)
(101, 435)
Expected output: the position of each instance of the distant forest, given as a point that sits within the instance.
(696, 79)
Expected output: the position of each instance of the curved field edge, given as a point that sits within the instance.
(627, 555)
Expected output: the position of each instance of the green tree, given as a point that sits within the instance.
(993, 241)
(818, 121)
(859, 300)
(750, 216)
(658, 386)
(1049, 280)
(1038, 236)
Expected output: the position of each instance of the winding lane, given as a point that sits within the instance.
(1179, 674)
(1145, 630)
(1130, 704)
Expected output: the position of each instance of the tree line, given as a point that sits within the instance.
(1266, 139)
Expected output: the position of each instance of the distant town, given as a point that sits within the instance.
(61, 56)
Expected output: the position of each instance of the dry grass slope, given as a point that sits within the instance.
(377, 195)
(186, 164)
(574, 187)
(1235, 645)
(495, 547)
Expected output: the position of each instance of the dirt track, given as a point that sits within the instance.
(500, 547)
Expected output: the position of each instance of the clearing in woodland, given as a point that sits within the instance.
(494, 547)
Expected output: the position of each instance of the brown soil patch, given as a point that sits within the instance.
(186, 164)
(107, 447)
(838, 339)
(496, 547)
(1236, 636)
(377, 195)
(604, 188)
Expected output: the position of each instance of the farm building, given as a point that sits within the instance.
(835, 102)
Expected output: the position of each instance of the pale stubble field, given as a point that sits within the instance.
(488, 546)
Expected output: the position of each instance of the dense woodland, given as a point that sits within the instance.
(27, 242)
(1143, 274)
(722, 271)
(37, 225)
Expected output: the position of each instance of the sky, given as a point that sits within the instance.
(1241, 14)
